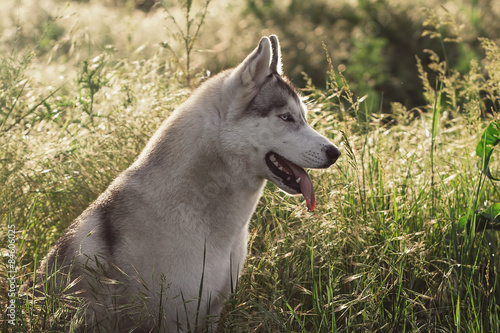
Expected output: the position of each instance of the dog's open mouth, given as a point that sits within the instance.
(293, 177)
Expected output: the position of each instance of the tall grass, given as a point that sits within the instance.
(383, 251)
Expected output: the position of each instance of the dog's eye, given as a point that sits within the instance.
(286, 117)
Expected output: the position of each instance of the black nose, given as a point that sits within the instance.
(333, 154)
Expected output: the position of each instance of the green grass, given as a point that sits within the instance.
(384, 249)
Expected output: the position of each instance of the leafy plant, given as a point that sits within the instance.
(187, 33)
(90, 81)
(487, 219)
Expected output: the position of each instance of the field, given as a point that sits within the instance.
(404, 235)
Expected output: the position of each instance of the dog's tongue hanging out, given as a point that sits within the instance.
(306, 185)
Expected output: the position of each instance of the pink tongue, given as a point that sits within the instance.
(306, 185)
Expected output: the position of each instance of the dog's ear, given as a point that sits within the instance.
(276, 66)
(255, 68)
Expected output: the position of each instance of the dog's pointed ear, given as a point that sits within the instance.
(255, 68)
(276, 66)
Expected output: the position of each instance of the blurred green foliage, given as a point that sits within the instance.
(372, 42)
(375, 41)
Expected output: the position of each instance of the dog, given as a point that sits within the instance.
(162, 248)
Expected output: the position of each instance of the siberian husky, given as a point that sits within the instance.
(163, 246)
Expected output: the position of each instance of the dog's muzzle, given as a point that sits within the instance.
(333, 154)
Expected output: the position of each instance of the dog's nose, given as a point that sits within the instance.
(333, 153)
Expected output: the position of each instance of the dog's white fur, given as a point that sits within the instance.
(182, 210)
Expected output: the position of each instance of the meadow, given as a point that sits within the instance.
(404, 235)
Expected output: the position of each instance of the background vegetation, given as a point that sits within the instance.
(403, 236)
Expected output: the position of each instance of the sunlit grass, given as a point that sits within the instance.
(379, 259)
(382, 251)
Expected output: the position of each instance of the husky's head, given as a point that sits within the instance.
(269, 118)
